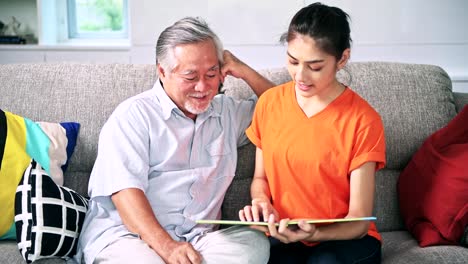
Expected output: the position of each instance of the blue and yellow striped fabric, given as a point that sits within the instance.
(50, 144)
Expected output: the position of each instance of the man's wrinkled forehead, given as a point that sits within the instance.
(194, 70)
(195, 56)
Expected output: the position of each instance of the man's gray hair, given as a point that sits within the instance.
(188, 30)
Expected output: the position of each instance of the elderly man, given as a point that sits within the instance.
(166, 158)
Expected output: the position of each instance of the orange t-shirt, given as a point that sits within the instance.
(308, 161)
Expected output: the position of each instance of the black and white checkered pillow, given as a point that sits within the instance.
(48, 217)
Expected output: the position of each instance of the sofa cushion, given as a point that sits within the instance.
(21, 139)
(48, 217)
(399, 247)
(386, 207)
(433, 187)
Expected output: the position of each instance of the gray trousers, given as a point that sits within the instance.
(231, 245)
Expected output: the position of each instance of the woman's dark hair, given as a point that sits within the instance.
(327, 25)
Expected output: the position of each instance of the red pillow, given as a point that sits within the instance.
(433, 188)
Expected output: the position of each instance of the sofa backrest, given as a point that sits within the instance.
(413, 100)
(84, 93)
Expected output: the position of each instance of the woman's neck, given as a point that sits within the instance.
(316, 103)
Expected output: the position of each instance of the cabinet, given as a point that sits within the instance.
(19, 19)
(38, 22)
(43, 25)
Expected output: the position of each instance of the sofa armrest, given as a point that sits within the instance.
(461, 99)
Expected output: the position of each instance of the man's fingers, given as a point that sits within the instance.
(224, 71)
(191, 255)
(194, 257)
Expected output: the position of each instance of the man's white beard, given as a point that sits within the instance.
(195, 110)
(192, 107)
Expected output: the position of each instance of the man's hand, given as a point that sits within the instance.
(232, 66)
(238, 69)
(180, 253)
(137, 215)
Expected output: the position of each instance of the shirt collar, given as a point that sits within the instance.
(168, 106)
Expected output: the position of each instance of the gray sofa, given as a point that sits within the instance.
(413, 100)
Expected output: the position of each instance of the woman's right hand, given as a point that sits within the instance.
(260, 210)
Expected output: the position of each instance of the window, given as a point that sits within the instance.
(97, 19)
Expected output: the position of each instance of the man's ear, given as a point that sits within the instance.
(161, 72)
(344, 58)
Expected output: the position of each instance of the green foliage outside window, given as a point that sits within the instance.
(100, 15)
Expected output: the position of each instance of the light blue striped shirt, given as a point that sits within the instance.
(183, 166)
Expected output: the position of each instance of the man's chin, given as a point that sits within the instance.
(197, 110)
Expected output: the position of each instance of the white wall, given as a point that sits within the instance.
(413, 31)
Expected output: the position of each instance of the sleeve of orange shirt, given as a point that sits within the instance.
(369, 143)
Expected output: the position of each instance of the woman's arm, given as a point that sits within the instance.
(361, 202)
(260, 191)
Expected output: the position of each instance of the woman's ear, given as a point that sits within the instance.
(344, 58)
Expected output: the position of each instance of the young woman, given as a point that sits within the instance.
(318, 147)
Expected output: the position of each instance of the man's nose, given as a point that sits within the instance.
(202, 86)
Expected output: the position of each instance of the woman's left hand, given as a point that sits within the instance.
(291, 233)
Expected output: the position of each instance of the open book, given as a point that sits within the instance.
(292, 222)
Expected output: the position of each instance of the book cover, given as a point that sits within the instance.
(292, 222)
